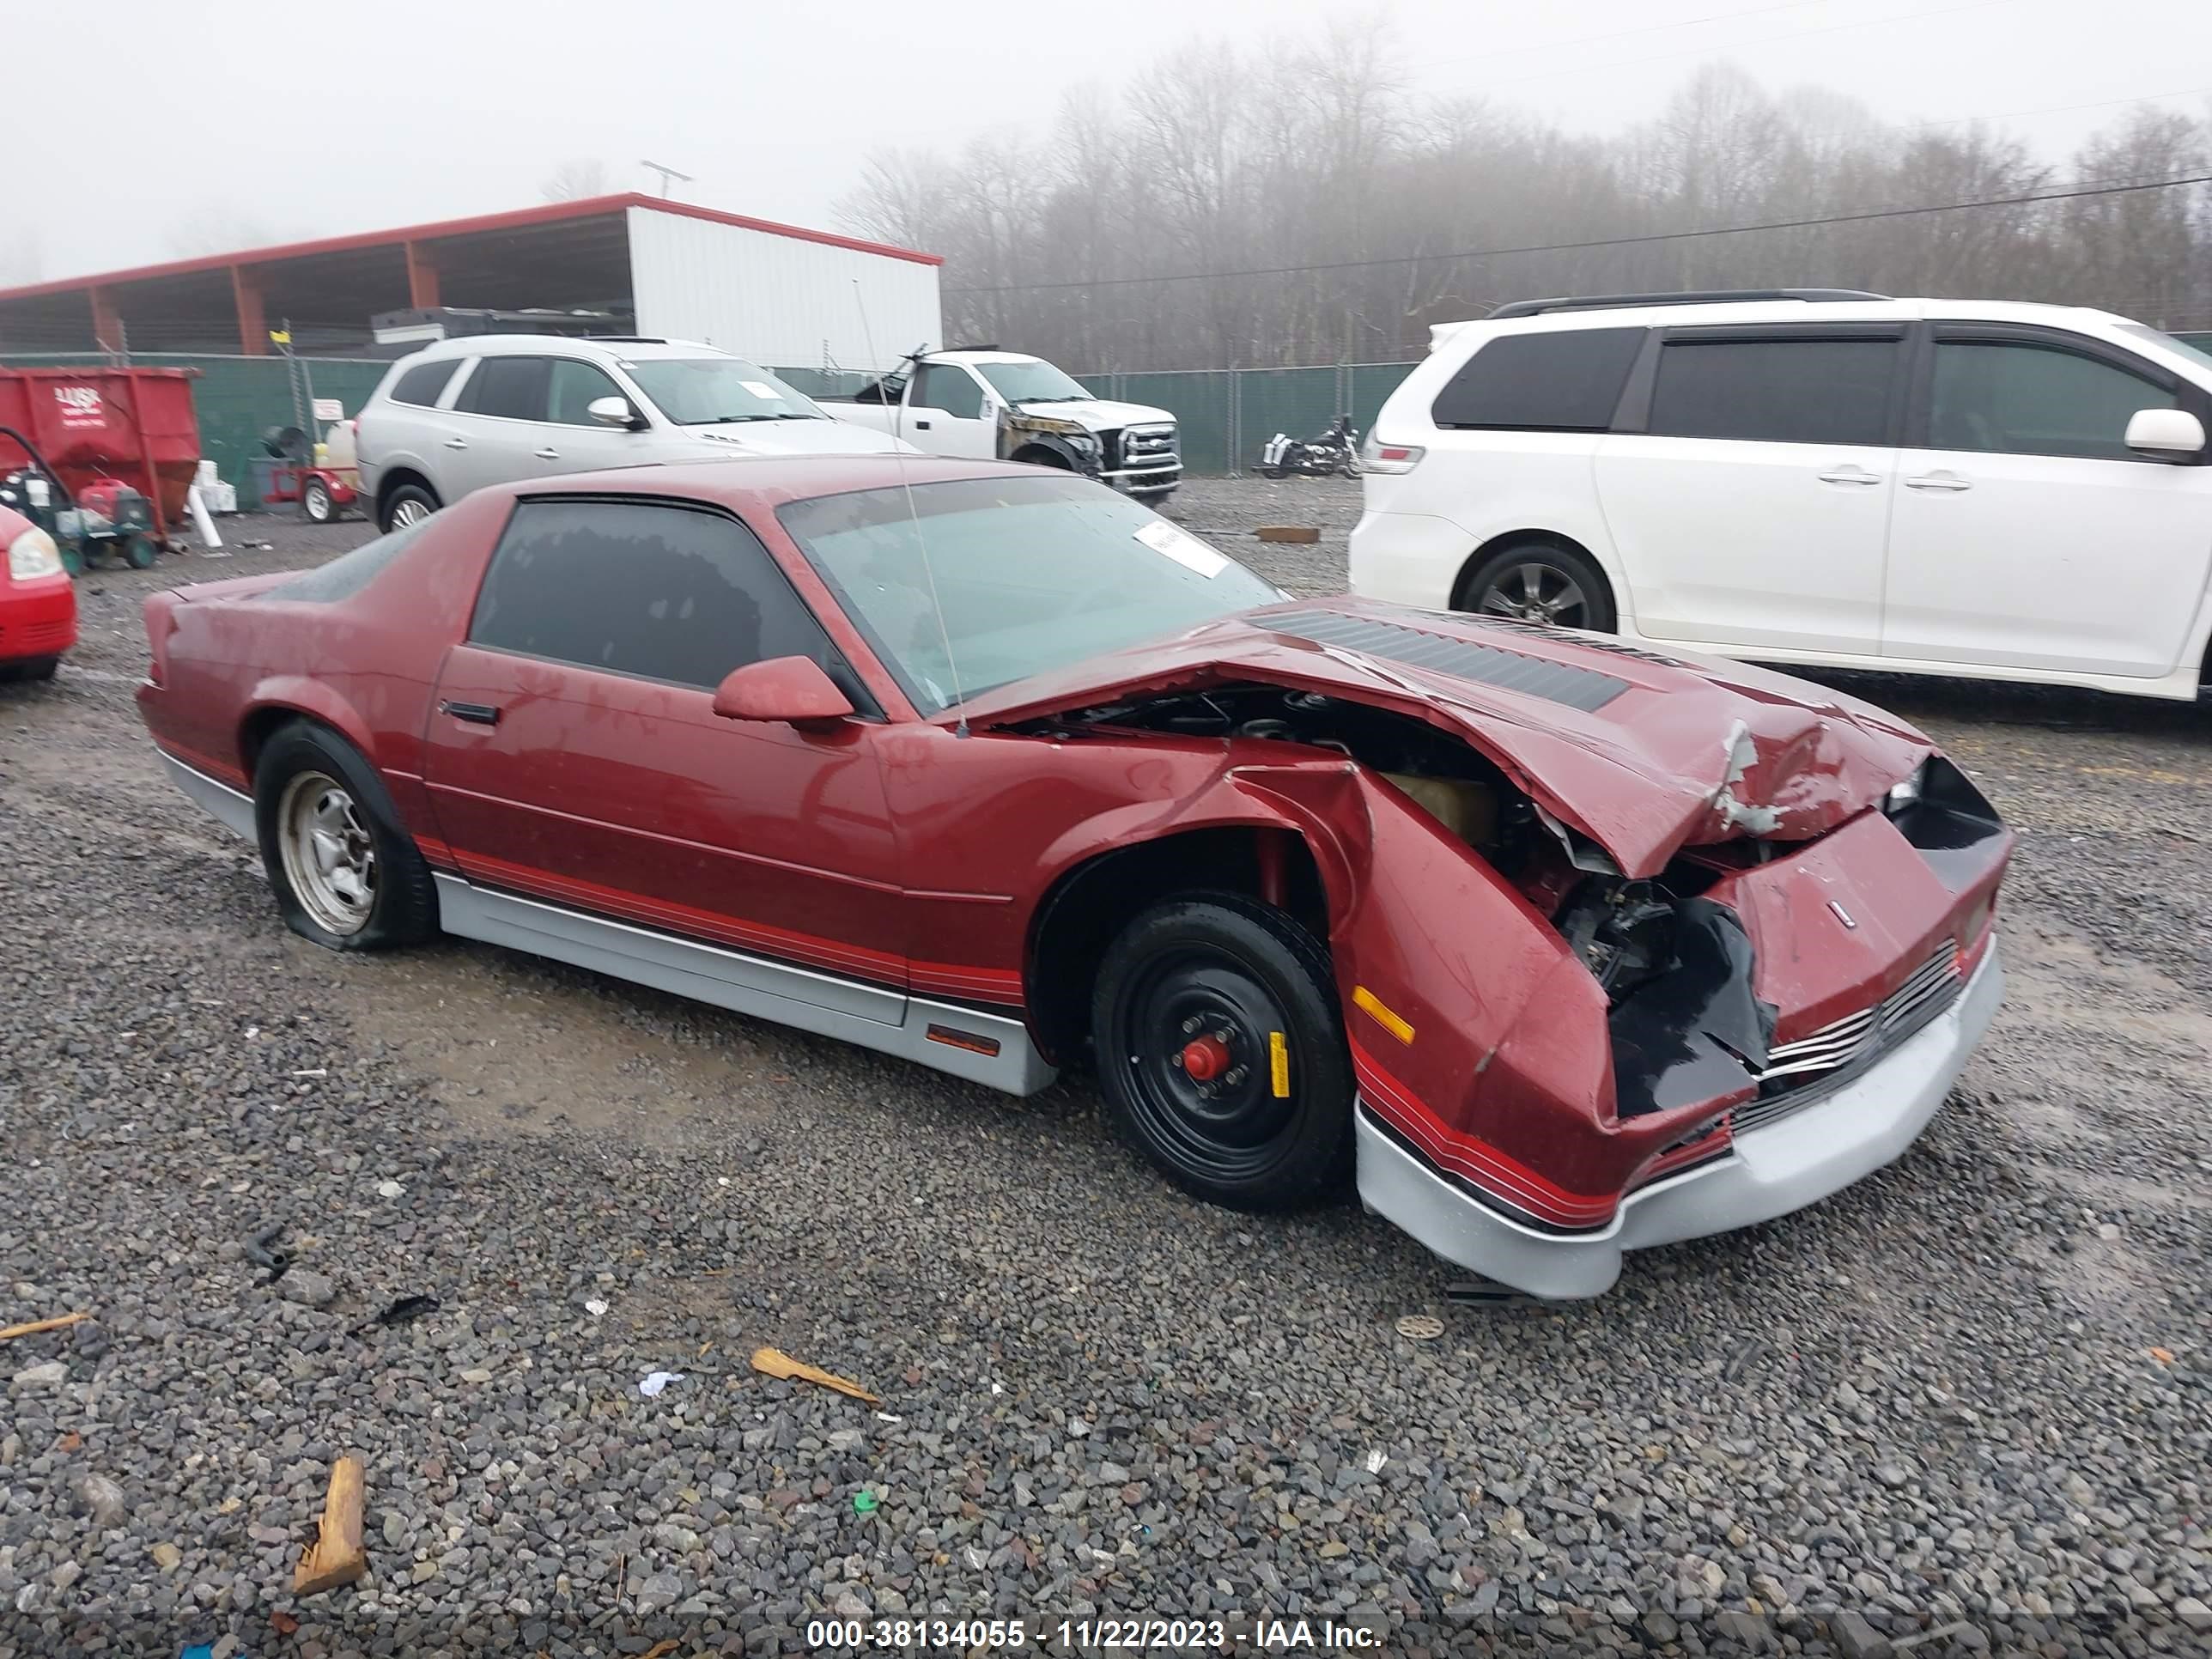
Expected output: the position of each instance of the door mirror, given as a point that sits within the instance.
(791, 689)
(614, 411)
(2165, 435)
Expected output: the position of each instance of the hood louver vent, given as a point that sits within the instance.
(1584, 689)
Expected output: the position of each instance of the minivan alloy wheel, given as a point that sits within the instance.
(1537, 593)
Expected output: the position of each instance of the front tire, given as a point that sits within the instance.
(1221, 1053)
(1541, 582)
(410, 504)
(345, 874)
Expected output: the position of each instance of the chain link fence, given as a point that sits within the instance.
(1222, 416)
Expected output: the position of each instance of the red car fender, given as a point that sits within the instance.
(313, 698)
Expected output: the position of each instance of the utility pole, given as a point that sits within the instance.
(666, 174)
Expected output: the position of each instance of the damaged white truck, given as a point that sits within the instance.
(989, 404)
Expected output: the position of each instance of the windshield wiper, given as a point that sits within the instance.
(723, 420)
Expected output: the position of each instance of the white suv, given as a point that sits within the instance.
(490, 409)
(1985, 490)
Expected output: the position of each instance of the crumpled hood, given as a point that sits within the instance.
(1099, 414)
(1643, 752)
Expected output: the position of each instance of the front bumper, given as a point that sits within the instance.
(38, 618)
(1767, 1171)
(1145, 481)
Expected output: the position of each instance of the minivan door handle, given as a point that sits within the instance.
(546, 454)
(922, 426)
(1937, 481)
(476, 714)
(1851, 475)
(457, 443)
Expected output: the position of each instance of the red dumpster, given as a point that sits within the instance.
(133, 424)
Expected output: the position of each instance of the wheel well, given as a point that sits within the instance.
(260, 726)
(398, 475)
(2204, 672)
(1091, 903)
(1524, 538)
(1038, 455)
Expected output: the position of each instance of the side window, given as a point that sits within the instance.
(2017, 399)
(1781, 392)
(423, 385)
(512, 387)
(576, 387)
(1562, 381)
(639, 587)
(950, 387)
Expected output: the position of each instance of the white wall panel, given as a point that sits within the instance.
(777, 300)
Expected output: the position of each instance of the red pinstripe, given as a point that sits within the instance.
(1506, 1178)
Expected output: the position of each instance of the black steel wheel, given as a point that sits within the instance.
(1221, 1052)
(1541, 582)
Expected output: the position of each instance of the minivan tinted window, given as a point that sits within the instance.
(422, 384)
(1564, 381)
(664, 592)
(512, 387)
(2011, 399)
(1782, 392)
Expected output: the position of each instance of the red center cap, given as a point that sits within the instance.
(1205, 1058)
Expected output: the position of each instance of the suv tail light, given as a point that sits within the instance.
(1375, 456)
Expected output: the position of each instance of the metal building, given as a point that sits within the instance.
(779, 294)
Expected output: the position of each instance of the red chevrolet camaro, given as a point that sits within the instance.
(1559, 948)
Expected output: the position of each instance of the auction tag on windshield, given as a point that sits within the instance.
(1185, 549)
(762, 389)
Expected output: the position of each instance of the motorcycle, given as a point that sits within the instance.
(1335, 452)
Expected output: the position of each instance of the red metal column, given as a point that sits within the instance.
(422, 276)
(107, 322)
(252, 327)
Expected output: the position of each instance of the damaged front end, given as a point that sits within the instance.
(1022, 434)
(1563, 1055)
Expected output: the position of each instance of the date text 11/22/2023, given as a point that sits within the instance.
(1121, 1635)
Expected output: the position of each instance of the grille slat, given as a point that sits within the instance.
(1584, 689)
(1833, 1055)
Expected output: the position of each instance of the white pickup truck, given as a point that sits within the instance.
(1002, 405)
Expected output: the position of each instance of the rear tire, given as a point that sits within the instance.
(1193, 1002)
(140, 553)
(409, 504)
(30, 668)
(1541, 582)
(345, 874)
(315, 501)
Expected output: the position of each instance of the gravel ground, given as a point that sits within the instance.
(1961, 1408)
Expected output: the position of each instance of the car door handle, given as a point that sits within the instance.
(476, 714)
(1851, 475)
(1937, 481)
(547, 454)
(457, 443)
(922, 426)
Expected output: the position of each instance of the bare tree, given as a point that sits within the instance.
(574, 179)
(1298, 204)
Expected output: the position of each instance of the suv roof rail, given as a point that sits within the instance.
(1713, 296)
(627, 339)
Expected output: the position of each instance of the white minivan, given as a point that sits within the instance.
(1977, 489)
(489, 409)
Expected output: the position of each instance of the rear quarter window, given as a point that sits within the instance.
(347, 574)
(423, 385)
(1565, 380)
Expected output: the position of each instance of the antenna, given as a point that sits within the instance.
(667, 173)
(920, 541)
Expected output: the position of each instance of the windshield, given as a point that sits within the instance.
(2197, 354)
(703, 391)
(1032, 382)
(1032, 573)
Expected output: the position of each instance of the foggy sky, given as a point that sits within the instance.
(140, 133)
